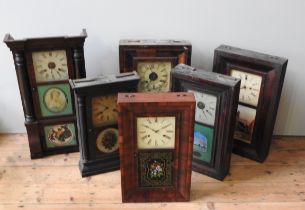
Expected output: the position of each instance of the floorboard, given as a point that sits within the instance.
(55, 183)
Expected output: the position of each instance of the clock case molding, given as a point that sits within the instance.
(133, 105)
(22, 54)
(272, 69)
(91, 161)
(131, 52)
(226, 90)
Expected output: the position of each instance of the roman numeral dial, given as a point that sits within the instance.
(154, 76)
(249, 88)
(205, 107)
(104, 110)
(50, 65)
(156, 132)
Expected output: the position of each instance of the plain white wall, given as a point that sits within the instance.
(271, 26)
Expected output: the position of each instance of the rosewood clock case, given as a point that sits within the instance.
(153, 60)
(159, 171)
(262, 78)
(96, 100)
(216, 105)
(43, 67)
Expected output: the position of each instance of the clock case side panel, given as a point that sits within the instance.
(20, 50)
(127, 53)
(131, 192)
(275, 68)
(89, 165)
(224, 124)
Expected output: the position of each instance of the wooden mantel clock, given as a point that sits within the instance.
(43, 67)
(97, 114)
(153, 60)
(156, 145)
(216, 105)
(262, 78)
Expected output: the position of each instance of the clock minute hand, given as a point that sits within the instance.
(146, 126)
(165, 126)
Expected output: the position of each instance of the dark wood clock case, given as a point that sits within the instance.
(92, 160)
(177, 161)
(131, 52)
(272, 70)
(226, 90)
(39, 126)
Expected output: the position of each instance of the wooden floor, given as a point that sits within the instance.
(55, 182)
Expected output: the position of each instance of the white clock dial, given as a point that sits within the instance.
(154, 76)
(249, 88)
(156, 132)
(205, 107)
(50, 65)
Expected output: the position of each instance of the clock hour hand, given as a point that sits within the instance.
(102, 111)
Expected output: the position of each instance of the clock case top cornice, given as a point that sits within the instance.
(144, 43)
(108, 83)
(45, 42)
(242, 55)
(186, 72)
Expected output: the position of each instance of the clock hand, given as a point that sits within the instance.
(101, 112)
(204, 114)
(165, 126)
(146, 126)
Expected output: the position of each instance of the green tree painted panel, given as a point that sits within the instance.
(203, 141)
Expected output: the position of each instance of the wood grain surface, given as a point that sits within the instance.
(55, 182)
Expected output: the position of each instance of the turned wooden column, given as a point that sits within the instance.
(82, 128)
(27, 104)
(79, 63)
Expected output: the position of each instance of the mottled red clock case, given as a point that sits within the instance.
(133, 105)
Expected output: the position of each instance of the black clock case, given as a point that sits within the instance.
(226, 89)
(91, 162)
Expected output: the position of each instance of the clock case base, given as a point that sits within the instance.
(275, 69)
(20, 50)
(98, 167)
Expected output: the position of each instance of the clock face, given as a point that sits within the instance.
(104, 110)
(154, 76)
(107, 140)
(50, 65)
(249, 88)
(156, 132)
(205, 107)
